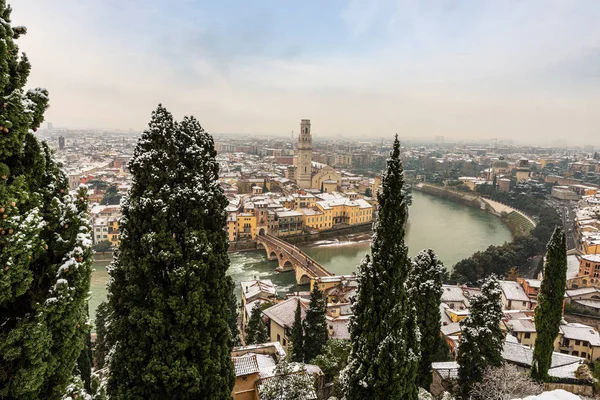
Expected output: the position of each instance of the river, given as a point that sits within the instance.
(454, 231)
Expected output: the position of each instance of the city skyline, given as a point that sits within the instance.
(510, 70)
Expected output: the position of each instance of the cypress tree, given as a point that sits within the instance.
(315, 325)
(425, 291)
(45, 245)
(297, 351)
(233, 310)
(169, 294)
(482, 339)
(256, 332)
(548, 312)
(385, 351)
(102, 345)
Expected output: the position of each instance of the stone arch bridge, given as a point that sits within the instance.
(291, 258)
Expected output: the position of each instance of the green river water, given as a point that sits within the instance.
(453, 230)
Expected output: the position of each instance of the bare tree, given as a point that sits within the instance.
(505, 383)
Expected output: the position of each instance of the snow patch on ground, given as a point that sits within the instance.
(554, 395)
(337, 243)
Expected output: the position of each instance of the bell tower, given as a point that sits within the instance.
(304, 156)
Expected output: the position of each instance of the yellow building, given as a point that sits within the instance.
(315, 219)
(456, 315)
(326, 174)
(303, 201)
(591, 246)
(578, 340)
(348, 212)
(113, 231)
(246, 226)
(522, 329)
(252, 364)
(232, 227)
(280, 319)
(337, 289)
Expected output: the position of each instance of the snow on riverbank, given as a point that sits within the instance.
(337, 243)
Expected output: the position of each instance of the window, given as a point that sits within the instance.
(577, 342)
(284, 342)
(524, 304)
(278, 338)
(527, 335)
(575, 353)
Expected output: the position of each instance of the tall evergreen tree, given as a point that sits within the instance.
(482, 338)
(233, 313)
(297, 351)
(102, 345)
(425, 291)
(45, 245)
(256, 332)
(315, 325)
(548, 312)
(384, 360)
(169, 294)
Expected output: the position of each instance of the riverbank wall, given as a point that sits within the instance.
(457, 197)
(518, 222)
(250, 245)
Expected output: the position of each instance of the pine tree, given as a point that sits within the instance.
(425, 291)
(45, 245)
(297, 345)
(315, 325)
(169, 294)
(384, 360)
(482, 338)
(548, 312)
(256, 332)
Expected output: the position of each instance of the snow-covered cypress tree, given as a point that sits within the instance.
(102, 345)
(384, 360)
(315, 325)
(256, 331)
(548, 312)
(45, 246)
(482, 338)
(425, 292)
(297, 345)
(168, 294)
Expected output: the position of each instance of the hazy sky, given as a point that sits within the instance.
(526, 70)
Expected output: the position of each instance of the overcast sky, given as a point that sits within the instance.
(527, 70)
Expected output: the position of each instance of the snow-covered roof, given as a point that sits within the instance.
(283, 313)
(534, 283)
(589, 303)
(591, 257)
(523, 355)
(245, 365)
(520, 325)
(580, 332)
(513, 291)
(447, 370)
(451, 328)
(581, 291)
(254, 288)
